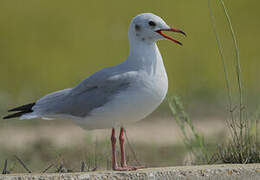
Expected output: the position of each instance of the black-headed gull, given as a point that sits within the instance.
(114, 96)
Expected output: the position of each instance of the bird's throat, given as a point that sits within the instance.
(146, 57)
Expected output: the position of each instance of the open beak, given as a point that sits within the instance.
(168, 37)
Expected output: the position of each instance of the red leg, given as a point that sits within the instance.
(123, 160)
(124, 166)
(122, 148)
(113, 142)
(114, 161)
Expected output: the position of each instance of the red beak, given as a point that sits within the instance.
(170, 38)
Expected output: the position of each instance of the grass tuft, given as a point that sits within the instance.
(243, 146)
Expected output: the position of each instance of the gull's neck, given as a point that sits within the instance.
(146, 56)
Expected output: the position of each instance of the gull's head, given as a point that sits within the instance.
(148, 27)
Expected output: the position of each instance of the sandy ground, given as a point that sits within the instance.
(157, 131)
(212, 172)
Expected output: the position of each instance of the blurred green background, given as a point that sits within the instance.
(48, 45)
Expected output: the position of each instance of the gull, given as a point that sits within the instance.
(117, 95)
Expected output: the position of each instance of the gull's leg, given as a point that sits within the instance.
(122, 148)
(124, 166)
(113, 142)
(114, 161)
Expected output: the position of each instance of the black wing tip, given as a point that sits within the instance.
(25, 107)
(7, 117)
(18, 114)
(13, 115)
(23, 110)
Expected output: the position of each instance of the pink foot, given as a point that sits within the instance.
(128, 168)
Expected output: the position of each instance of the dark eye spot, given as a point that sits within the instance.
(137, 27)
(152, 23)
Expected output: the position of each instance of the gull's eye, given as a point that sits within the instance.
(152, 23)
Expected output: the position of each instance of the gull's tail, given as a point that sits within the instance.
(21, 110)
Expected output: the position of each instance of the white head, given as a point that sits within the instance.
(148, 27)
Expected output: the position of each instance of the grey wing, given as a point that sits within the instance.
(82, 99)
(50, 102)
(95, 79)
